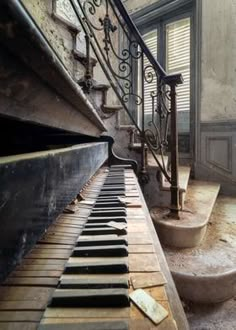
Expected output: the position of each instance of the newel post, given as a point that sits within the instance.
(173, 81)
(174, 206)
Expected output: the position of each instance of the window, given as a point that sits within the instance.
(178, 58)
(170, 43)
(150, 39)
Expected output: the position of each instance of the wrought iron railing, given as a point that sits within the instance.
(132, 70)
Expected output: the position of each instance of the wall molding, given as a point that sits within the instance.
(158, 10)
(219, 126)
(210, 141)
(217, 153)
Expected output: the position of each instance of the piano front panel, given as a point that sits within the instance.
(35, 188)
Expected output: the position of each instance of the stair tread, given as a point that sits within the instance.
(199, 203)
(152, 162)
(217, 252)
(184, 174)
(206, 273)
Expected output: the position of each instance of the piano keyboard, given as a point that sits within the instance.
(82, 270)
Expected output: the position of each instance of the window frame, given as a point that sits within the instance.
(160, 23)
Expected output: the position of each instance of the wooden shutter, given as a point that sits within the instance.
(178, 58)
(151, 41)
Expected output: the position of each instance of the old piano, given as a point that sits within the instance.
(76, 237)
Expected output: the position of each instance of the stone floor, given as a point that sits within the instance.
(217, 252)
(212, 317)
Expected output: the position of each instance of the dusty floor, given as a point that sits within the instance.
(212, 317)
(217, 252)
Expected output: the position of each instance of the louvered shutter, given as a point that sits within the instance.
(151, 41)
(178, 58)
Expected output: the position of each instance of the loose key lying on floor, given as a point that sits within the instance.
(149, 306)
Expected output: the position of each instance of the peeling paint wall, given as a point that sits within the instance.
(60, 38)
(57, 35)
(218, 66)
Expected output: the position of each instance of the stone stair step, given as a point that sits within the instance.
(108, 108)
(207, 273)
(190, 229)
(152, 162)
(184, 174)
(137, 146)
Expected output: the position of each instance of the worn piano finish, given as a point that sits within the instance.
(35, 188)
(93, 295)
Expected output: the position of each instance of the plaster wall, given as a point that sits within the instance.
(24, 96)
(58, 34)
(216, 137)
(218, 61)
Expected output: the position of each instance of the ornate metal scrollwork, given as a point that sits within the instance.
(134, 74)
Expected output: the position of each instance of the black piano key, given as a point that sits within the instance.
(109, 204)
(90, 298)
(101, 251)
(96, 224)
(114, 181)
(116, 177)
(112, 188)
(106, 219)
(111, 193)
(101, 240)
(109, 208)
(94, 283)
(103, 231)
(108, 212)
(97, 267)
(107, 199)
(124, 166)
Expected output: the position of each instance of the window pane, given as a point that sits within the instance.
(178, 58)
(151, 41)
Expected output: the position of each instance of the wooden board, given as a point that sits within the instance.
(31, 281)
(25, 293)
(19, 326)
(53, 273)
(23, 305)
(89, 325)
(42, 254)
(20, 316)
(87, 312)
(54, 246)
(145, 248)
(143, 262)
(147, 280)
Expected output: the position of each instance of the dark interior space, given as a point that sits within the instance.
(18, 137)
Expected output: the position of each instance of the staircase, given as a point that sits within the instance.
(189, 227)
(200, 247)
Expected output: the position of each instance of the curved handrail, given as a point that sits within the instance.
(176, 78)
(121, 78)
